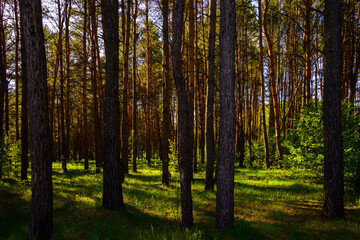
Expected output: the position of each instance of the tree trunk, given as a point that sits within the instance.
(84, 90)
(227, 129)
(333, 205)
(2, 84)
(185, 149)
(24, 106)
(263, 113)
(166, 133)
(274, 98)
(209, 134)
(134, 138)
(41, 216)
(112, 193)
(125, 125)
(67, 52)
(17, 40)
(148, 85)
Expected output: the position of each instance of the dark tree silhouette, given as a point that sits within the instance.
(41, 224)
(333, 206)
(112, 192)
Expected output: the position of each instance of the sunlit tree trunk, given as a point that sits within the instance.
(134, 114)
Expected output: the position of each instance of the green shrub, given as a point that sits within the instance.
(305, 146)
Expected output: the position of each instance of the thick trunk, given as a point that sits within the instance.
(333, 206)
(227, 128)
(185, 149)
(112, 192)
(41, 224)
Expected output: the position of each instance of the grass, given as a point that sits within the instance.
(273, 204)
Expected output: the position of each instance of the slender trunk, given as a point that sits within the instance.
(84, 90)
(67, 52)
(263, 113)
(166, 134)
(17, 38)
(209, 133)
(125, 127)
(148, 84)
(134, 138)
(24, 107)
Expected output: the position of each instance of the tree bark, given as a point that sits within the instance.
(84, 90)
(166, 133)
(134, 138)
(227, 129)
(41, 216)
(333, 205)
(209, 134)
(125, 125)
(148, 85)
(185, 149)
(24, 106)
(112, 192)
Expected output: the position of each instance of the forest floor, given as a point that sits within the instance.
(272, 204)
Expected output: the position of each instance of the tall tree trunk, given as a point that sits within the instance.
(333, 206)
(84, 90)
(185, 149)
(134, 138)
(209, 119)
(263, 113)
(191, 77)
(17, 40)
(227, 129)
(24, 106)
(125, 125)
(148, 85)
(2, 83)
(67, 52)
(274, 98)
(112, 192)
(41, 216)
(166, 133)
(94, 86)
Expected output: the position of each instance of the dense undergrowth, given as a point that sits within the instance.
(272, 204)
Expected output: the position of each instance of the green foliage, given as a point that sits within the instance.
(305, 143)
(10, 152)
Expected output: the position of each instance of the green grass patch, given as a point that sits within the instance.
(272, 204)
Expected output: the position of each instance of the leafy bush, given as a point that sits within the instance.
(10, 152)
(305, 143)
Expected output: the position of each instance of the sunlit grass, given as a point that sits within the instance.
(269, 204)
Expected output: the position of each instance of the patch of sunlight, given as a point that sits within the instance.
(85, 200)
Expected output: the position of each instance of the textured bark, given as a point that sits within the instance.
(84, 90)
(333, 205)
(112, 191)
(134, 114)
(209, 133)
(41, 216)
(227, 128)
(185, 149)
(24, 107)
(2, 83)
(125, 125)
(166, 95)
(263, 113)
